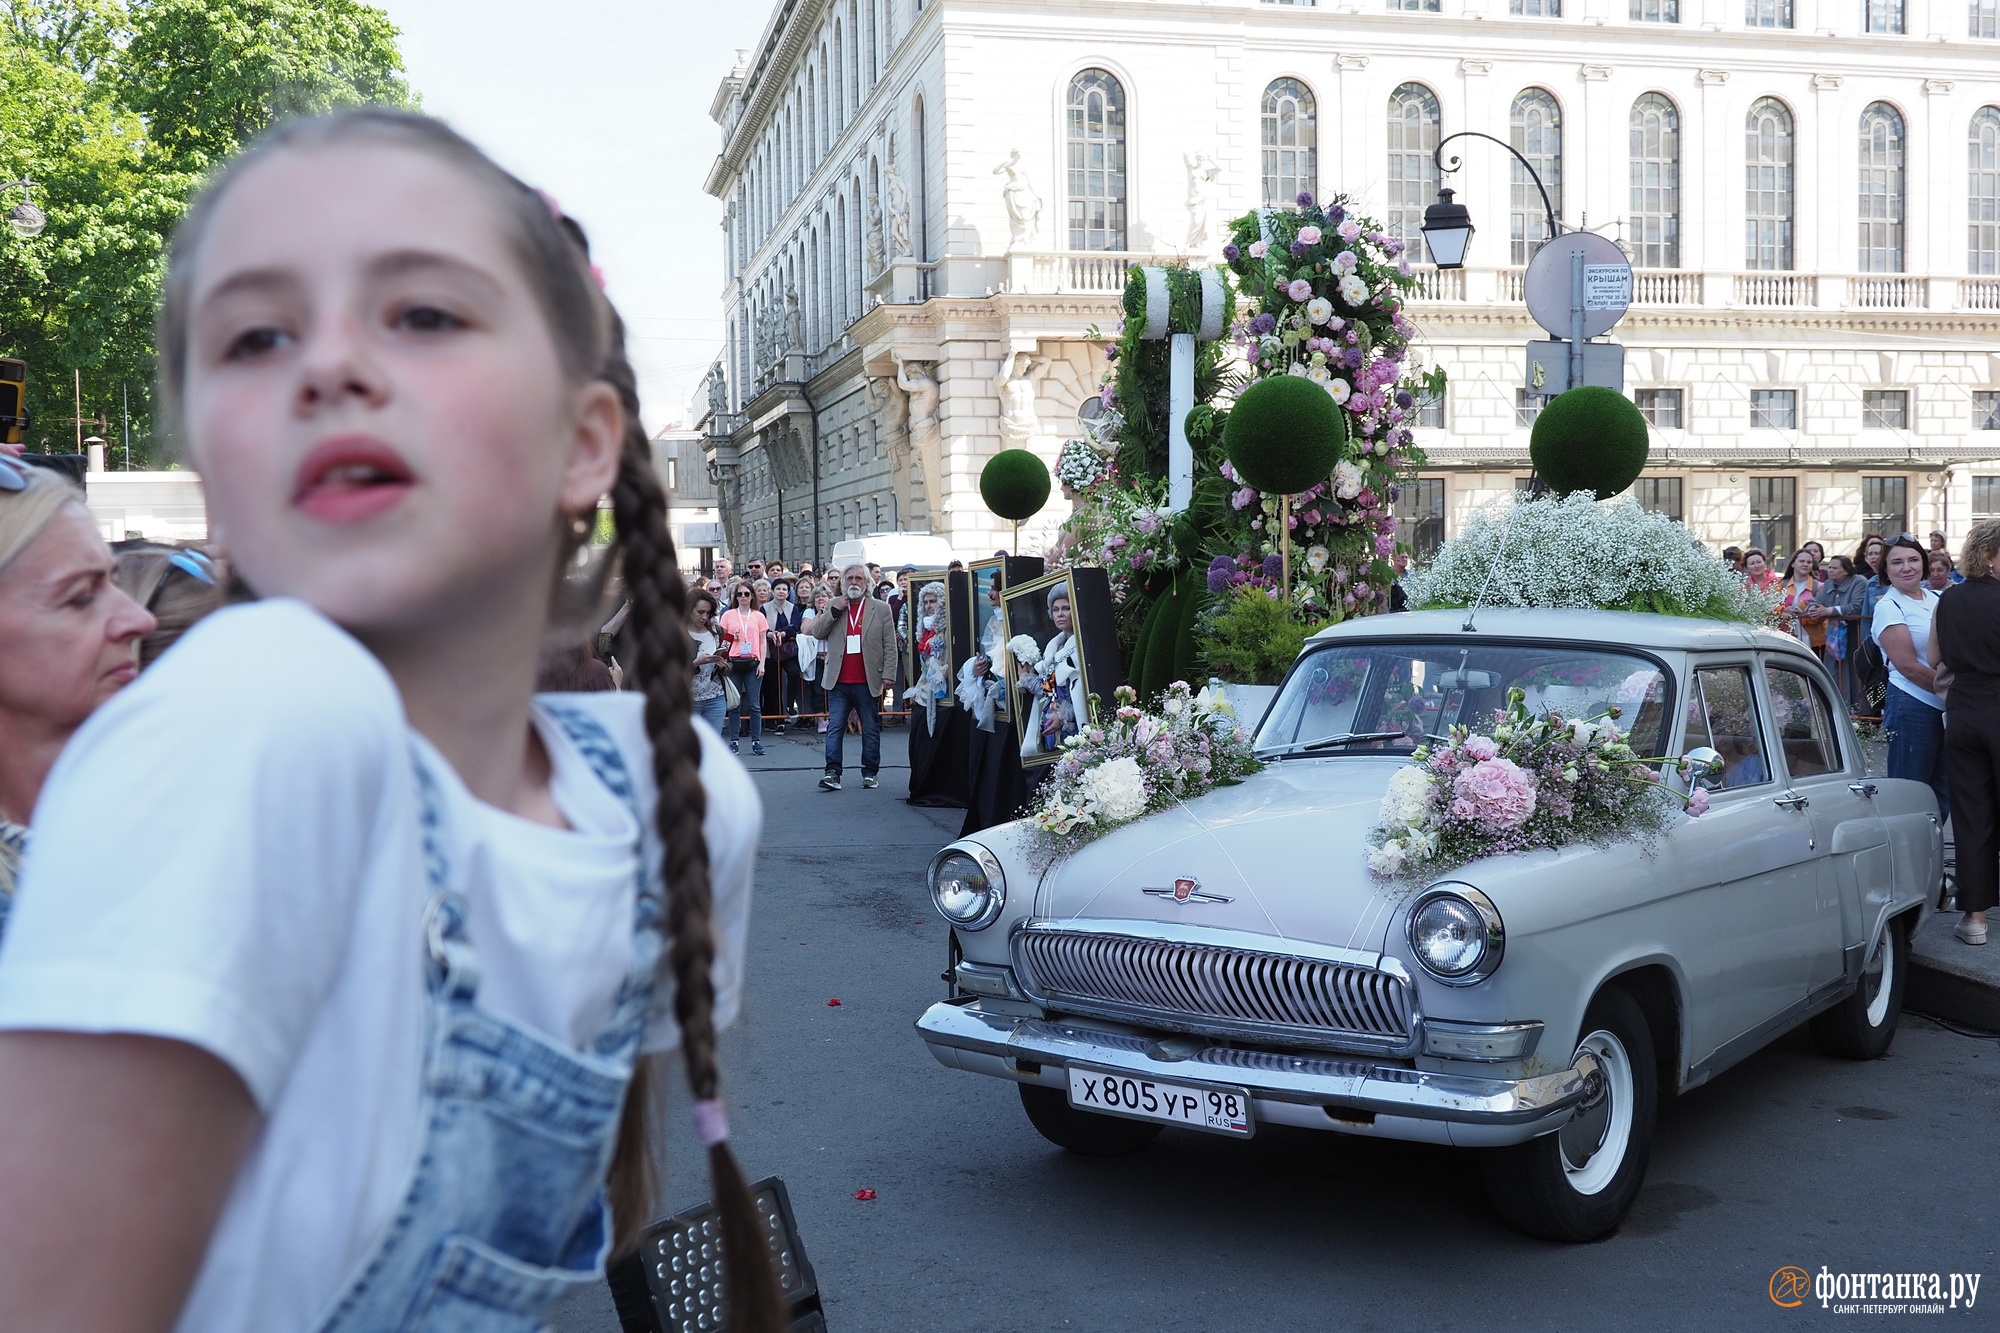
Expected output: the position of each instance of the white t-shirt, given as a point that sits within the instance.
(1915, 614)
(228, 853)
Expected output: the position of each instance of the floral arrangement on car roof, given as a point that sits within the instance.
(1118, 769)
(1577, 551)
(1538, 780)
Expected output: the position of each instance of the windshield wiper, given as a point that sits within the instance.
(1332, 742)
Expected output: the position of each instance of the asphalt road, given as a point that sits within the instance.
(979, 1226)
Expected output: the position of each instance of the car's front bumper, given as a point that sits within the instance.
(1357, 1096)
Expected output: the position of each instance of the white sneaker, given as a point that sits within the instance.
(869, 782)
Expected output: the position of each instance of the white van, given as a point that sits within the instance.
(893, 550)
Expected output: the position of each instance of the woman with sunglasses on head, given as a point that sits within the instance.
(1913, 712)
(711, 697)
(744, 631)
(69, 640)
(179, 585)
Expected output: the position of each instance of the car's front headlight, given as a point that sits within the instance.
(967, 885)
(1455, 934)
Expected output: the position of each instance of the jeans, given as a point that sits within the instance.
(713, 711)
(1916, 745)
(748, 715)
(840, 701)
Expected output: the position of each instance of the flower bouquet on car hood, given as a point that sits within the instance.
(1536, 781)
(1120, 768)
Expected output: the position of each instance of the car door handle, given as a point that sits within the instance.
(1791, 800)
(1862, 788)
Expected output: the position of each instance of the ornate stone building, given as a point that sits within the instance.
(932, 203)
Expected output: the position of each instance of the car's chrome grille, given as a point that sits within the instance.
(1215, 989)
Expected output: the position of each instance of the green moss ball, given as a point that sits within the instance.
(1015, 484)
(1589, 439)
(1284, 435)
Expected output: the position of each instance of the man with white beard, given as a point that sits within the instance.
(861, 643)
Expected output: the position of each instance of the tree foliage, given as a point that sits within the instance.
(115, 109)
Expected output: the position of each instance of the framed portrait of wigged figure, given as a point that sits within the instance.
(1057, 627)
(927, 635)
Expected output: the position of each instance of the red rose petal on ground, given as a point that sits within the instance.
(866, 1196)
(833, 1004)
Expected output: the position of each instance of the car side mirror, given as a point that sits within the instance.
(1701, 762)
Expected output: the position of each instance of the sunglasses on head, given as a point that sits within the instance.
(195, 565)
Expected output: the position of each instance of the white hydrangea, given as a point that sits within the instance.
(1025, 650)
(1407, 801)
(1581, 553)
(1115, 790)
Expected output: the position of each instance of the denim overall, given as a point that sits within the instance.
(505, 1211)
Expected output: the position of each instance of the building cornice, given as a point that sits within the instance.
(1740, 323)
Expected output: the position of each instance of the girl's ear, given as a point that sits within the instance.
(595, 444)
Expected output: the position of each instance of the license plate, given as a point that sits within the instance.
(1218, 1110)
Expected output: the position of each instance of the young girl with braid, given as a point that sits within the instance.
(339, 956)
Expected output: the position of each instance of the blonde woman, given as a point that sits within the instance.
(1965, 638)
(69, 640)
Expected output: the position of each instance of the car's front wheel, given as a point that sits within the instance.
(1861, 1026)
(1578, 1183)
(1083, 1132)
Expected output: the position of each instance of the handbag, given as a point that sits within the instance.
(730, 693)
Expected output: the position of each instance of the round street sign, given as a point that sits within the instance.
(1607, 283)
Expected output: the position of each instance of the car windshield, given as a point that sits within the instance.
(1386, 697)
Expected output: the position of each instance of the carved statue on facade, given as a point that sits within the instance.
(898, 205)
(718, 394)
(1018, 420)
(918, 379)
(1024, 206)
(770, 337)
(1202, 173)
(875, 256)
(891, 412)
(795, 335)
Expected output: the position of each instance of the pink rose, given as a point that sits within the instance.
(1481, 748)
(1299, 290)
(1698, 802)
(1310, 235)
(1258, 249)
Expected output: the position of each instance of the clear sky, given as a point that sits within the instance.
(604, 104)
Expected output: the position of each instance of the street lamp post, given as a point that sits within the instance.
(24, 217)
(1448, 226)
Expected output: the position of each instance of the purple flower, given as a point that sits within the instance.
(1231, 253)
(1300, 249)
(1219, 570)
(1228, 473)
(1336, 215)
(1394, 493)
(1273, 566)
(1242, 498)
(1263, 324)
(1385, 545)
(1111, 352)
(1403, 399)
(1305, 199)
(1299, 290)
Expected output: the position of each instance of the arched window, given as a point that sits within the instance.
(1094, 133)
(839, 83)
(814, 107)
(874, 42)
(1767, 186)
(826, 104)
(1982, 254)
(1291, 142)
(1656, 183)
(920, 198)
(1535, 129)
(1413, 174)
(853, 56)
(1881, 203)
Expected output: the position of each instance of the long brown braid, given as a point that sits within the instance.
(590, 340)
(664, 669)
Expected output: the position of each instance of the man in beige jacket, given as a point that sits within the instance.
(860, 636)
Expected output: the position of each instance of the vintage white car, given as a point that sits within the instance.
(1231, 963)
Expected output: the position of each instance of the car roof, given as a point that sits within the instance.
(1619, 629)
